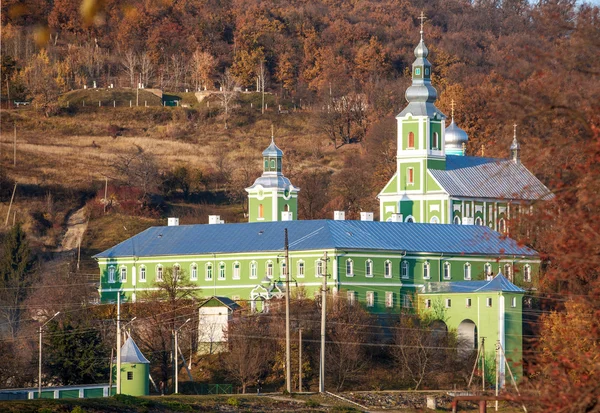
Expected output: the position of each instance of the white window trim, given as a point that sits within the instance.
(527, 273)
(410, 219)
(408, 175)
(177, 271)
(468, 303)
(111, 274)
(122, 270)
(281, 269)
(388, 269)
(406, 301)
(448, 303)
(389, 299)
(404, 270)
(369, 268)
(456, 220)
(467, 271)
(143, 271)
(319, 268)
(487, 270)
(449, 276)
(236, 274)
(351, 296)
(427, 303)
(194, 272)
(208, 271)
(269, 268)
(427, 265)
(489, 302)
(222, 271)
(159, 273)
(253, 270)
(370, 299)
(351, 273)
(300, 268)
(513, 302)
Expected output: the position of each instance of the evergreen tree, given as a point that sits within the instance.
(15, 276)
(75, 354)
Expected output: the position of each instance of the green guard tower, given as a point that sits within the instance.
(135, 370)
(272, 197)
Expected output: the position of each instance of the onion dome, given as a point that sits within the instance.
(455, 139)
(272, 150)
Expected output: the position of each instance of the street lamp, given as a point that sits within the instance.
(176, 333)
(40, 356)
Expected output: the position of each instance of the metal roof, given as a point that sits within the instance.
(271, 180)
(497, 284)
(316, 235)
(474, 177)
(226, 301)
(272, 150)
(130, 353)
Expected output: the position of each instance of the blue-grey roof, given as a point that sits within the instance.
(272, 150)
(316, 235)
(497, 284)
(226, 301)
(474, 177)
(130, 353)
(272, 180)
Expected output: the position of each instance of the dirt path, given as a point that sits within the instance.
(76, 226)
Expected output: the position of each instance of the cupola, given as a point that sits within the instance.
(455, 138)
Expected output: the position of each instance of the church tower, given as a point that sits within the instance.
(272, 197)
(421, 145)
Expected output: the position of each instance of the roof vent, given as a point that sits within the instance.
(215, 219)
(366, 216)
(397, 218)
(286, 215)
(172, 222)
(339, 215)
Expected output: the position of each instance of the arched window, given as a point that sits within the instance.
(434, 220)
(142, 273)
(221, 271)
(266, 164)
(283, 269)
(253, 270)
(208, 272)
(467, 271)
(300, 272)
(456, 220)
(123, 274)
(436, 140)
(478, 221)
(508, 271)
(349, 268)
(272, 163)
(404, 270)
(193, 272)
(270, 269)
(410, 176)
(426, 270)
(411, 140)
(319, 268)
(409, 219)
(447, 274)
(368, 268)
(176, 272)
(388, 269)
(487, 271)
(111, 274)
(260, 211)
(527, 273)
(286, 208)
(159, 273)
(236, 271)
(501, 225)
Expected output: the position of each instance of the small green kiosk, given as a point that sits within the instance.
(135, 370)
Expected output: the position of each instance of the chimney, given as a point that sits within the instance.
(366, 216)
(397, 218)
(215, 219)
(339, 215)
(172, 221)
(286, 215)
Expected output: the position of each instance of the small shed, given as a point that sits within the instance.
(135, 370)
(214, 315)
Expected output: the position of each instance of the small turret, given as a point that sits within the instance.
(455, 138)
(515, 147)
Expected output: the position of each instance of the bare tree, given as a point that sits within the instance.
(344, 120)
(129, 62)
(177, 70)
(146, 68)
(261, 73)
(139, 170)
(228, 85)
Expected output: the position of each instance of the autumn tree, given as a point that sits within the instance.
(40, 79)
(203, 66)
(227, 94)
(139, 170)
(344, 120)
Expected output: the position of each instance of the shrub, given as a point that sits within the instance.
(312, 403)
(233, 401)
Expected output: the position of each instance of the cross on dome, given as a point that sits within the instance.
(422, 18)
(452, 108)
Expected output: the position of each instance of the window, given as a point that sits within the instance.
(487, 271)
(410, 176)
(418, 71)
(130, 375)
(527, 273)
(159, 273)
(447, 274)
(349, 268)
(478, 221)
(404, 270)
(389, 299)
(434, 220)
(468, 304)
(351, 297)
(283, 269)
(513, 302)
(111, 274)
(387, 269)
(448, 302)
(468, 209)
(406, 301)
(368, 268)
(502, 225)
(253, 270)
(193, 272)
(142, 274)
(209, 272)
(508, 271)
(426, 270)
(123, 274)
(221, 271)
(457, 220)
(409, 219)
(370, 299)
(319, 268)
(488, 301)
(436, 140)
(467, 271)
(428, 303)
(260, 211)
(411, 140)
(273, 163)
(270, 269)
(236, 271)
(300, 273)
(176, 272)
(426, 71)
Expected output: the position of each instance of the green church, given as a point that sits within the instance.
(435, 249)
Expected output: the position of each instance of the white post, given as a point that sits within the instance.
(288, 360)
(40, 356)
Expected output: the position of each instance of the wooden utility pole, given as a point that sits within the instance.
(300, 360)
(288, 359)
(323, 320)
(10, 205)
(110, 381)
(118, 342)
(105, 192)
(15, 147)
